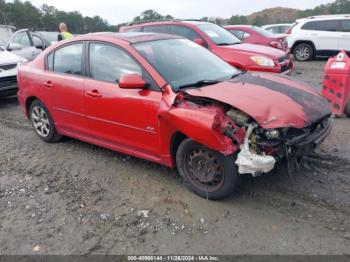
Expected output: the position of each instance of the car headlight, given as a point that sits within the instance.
(272, 134)
(262, 61)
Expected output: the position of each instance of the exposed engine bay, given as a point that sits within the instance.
(258, 149)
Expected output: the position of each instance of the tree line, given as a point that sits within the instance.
(25, 15)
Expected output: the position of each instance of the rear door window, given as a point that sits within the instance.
(67, 60)
(164, 29)
(326, 25)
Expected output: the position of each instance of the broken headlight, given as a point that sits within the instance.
(272, 134)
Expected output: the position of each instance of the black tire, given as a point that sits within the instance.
(347, 109)
(303, 52)
(216, 186)
(49, 133)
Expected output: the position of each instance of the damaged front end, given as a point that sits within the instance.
(228, 130)
(290, 144)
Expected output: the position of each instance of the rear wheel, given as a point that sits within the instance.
(207, 173)
(303, 52)
(43, 123)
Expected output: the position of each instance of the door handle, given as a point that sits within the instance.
(94, 93)
(48, 84)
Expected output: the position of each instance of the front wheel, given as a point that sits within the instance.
(303, 52)
(207, 173)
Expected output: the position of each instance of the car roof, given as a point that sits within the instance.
(159, 22)
(130, 37)
(325, 17)
(272, 25)
(242, 26)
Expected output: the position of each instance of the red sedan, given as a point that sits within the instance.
(171, 101)
(257, 35)
(225, 45)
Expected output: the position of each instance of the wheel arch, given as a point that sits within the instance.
(28, 103)
(175, 141)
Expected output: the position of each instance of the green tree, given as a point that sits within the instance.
(150, 15)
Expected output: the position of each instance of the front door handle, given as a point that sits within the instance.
(94, 93)
(48, 84)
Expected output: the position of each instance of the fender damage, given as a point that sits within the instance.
(263, 118)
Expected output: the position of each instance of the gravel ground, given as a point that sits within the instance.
(76, 198)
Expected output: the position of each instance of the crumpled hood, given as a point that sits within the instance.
(252, 49)
(9, 58)
(274, 101)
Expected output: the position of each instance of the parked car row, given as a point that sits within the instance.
(166, 99)
(8, 72)
(223, 44)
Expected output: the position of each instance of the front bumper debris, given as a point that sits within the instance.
(249, 162)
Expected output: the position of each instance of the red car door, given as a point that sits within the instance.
(116, 116)
(63, 86)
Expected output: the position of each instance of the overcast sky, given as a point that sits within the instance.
(118, 11)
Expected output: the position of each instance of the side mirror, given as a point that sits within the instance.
(199, 41)
(132, 81)
(14, 47)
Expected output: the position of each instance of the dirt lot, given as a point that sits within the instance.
(75, 198)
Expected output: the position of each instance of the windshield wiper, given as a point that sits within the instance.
(199, 84)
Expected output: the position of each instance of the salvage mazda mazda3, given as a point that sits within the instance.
(171, 101)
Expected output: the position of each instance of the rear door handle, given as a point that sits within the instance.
(48, 84)
(94, 93)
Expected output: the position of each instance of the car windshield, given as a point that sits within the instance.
(219, 35)
(263, 31)
(183, 63)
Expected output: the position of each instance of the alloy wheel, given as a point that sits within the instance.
(41, 122)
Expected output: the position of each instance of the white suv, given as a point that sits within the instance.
(319, 36)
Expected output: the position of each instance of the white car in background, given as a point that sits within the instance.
(8, 72)
(319, 36)
(277, 29)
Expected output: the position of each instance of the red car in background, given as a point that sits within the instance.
(244, 56)
(168, 100)
(257, 35)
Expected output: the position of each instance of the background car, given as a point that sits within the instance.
(277, 28)
(5, 33)
(168, 100)
(319, 36)
(222, 43)
(27, 44)
(8, 72)
(257, 35)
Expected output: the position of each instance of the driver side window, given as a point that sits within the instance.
(108, 63)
